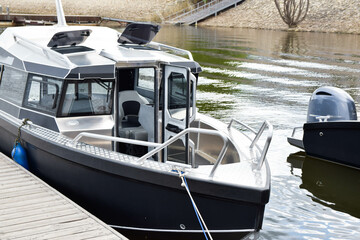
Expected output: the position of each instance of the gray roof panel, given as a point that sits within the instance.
(46, 70)
(8, 59)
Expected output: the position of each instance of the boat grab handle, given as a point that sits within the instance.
(192, 130)
(256, 138)
(295, 130)
(161, 46)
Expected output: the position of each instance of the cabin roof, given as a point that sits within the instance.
(34, 49)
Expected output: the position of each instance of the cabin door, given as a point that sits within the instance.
(178, 98)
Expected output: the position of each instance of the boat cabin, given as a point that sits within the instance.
(131, 89)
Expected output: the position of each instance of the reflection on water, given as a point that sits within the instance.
(253, 75)
(330, 184)
(291, 44)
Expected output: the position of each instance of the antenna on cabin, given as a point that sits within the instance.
(60, 14)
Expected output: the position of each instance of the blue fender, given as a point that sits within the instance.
(19, 155)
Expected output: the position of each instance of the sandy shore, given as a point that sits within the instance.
(138, 10)
(324, 15)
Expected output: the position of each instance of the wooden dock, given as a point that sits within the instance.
(40, 19)
(31, 209)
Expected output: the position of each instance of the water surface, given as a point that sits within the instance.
(253, 75)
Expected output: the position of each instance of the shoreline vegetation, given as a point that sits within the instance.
(340, 16)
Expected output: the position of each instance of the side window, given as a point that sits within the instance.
(146, 78)
(177, 93)
(43, 93)
(12, 85)
(145, 83)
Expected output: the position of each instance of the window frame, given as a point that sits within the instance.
(144, 91)
(89, 81)
(43, 83)
(18, 101)
(1, 72)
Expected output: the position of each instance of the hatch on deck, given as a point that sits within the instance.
(139, 33)
(69, 38)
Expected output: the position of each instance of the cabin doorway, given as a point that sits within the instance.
(154, 107)
(134, 115)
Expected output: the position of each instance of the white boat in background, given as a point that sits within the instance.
(113, 125)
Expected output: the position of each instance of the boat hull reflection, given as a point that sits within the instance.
(333, 185)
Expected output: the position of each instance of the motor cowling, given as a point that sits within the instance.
(331, 104)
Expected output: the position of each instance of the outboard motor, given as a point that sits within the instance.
(331, 104)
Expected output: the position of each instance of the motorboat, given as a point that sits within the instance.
(110, 120)
(332, 128)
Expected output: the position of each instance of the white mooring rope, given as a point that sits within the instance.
(197, 212)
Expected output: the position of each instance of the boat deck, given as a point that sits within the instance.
(31, 209)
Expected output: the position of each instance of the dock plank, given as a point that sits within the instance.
(42, 203)
(82, 235)
(23, 233)
(25, 200)
(48, 222)
(66, 229)
(31, 209)
(19, 189)
(37, 217)
(14, 182)
(102, 238)
(31, 213)
(5, 196)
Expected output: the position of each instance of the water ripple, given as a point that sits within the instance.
(261, 77)
(279, 69)
(313, 65)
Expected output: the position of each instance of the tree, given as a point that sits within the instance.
(292, 12)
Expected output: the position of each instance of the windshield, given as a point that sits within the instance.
(88, 97)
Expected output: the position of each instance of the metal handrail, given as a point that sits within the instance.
(187, 10)
(294, 131)
(192, 130)
(160, 46)
(257, 136)
(200, 8)
(151, 144)
(115, 139)
(191, 15)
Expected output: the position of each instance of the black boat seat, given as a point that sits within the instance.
(129, 106)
